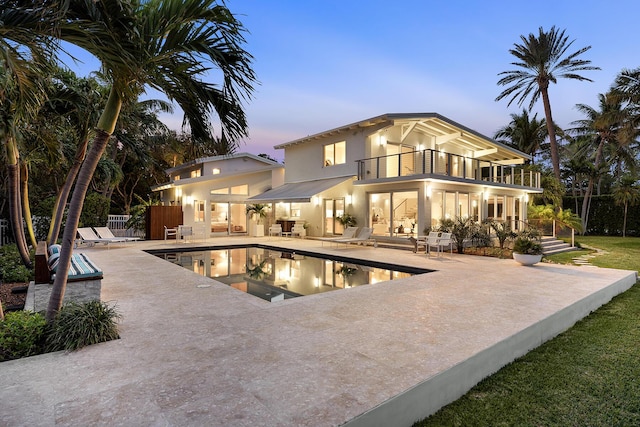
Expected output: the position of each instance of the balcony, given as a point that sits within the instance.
(440, 165)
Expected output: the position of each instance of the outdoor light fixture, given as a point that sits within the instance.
(349, 199)
(428, 191)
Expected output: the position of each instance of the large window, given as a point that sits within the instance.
(288, 210)
(335, 154)
(394, 213)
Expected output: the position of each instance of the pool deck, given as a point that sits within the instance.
(385, 354)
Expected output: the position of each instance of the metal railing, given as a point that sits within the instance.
(432, 162)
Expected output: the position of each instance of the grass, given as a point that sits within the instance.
(586, 376)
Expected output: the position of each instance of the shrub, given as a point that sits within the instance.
(21, 335)
(525, 245)
(78, 325)
(11, 267)
(461, 229)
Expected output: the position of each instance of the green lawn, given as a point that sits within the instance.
(587, 376)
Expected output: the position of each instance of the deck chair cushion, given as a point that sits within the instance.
(81, 268)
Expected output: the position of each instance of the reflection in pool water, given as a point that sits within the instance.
(275, 275)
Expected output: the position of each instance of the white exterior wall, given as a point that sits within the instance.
(304, 162)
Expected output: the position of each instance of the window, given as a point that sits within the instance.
(240, 189)
(216, 171)
(220, 191)
(335, 154)
(196, 173)
(199, 210)
(288, 210)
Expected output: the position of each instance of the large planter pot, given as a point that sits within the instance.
(526, 259)
(256, 230)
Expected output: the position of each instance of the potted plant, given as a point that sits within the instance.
(347, 220)
(257, 212)
(527, 250)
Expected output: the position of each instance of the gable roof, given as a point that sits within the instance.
(202, 160)
(429, 123)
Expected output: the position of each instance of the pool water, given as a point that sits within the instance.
(274, 274)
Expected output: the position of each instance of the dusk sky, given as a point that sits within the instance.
(324, 64)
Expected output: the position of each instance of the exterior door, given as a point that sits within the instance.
(333, 208)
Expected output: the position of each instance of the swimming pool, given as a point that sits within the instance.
(274, 274)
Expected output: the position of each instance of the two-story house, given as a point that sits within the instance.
(399, 174)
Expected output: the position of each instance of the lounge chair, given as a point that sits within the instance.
(348, 233)
(363, 237)
(105, 233)
(89, 237)
(80, 268)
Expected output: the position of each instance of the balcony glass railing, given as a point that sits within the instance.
(431, 162)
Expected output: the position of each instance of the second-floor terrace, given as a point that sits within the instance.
(434, 164)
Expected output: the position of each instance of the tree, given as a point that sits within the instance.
(542, 60)
(626, 193)
(607, 126)
(170, 46)
(21, 94)
(523, 133)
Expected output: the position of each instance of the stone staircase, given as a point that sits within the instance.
(551, 245)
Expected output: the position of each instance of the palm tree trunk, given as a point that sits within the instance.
(15, 213)
(61, 201)
(553, 145)
(26, 208)
(624, 223)
(105, 128)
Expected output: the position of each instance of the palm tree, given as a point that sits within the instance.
(627, 193)
(170, 46)
(606, 126)
(542, 60)
(77, 100)
(523, 133)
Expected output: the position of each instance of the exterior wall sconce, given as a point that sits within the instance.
(428, 191)
(349, 199)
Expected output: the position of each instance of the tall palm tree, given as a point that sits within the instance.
(606, 126)
(627, 193)
(171, 46)
(77, 100)
(523, 133)
(541, 60)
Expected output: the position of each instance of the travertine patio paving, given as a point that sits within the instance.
(385, 354)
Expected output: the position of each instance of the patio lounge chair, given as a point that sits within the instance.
(88, 236)
(348, 233)
(81, 267)
(363, 237)
(105, 233)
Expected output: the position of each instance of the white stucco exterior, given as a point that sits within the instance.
(397, 173)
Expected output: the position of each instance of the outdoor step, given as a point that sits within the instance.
(551, 245)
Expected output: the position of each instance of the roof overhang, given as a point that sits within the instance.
(298, 192)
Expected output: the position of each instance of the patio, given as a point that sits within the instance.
(385, 354)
